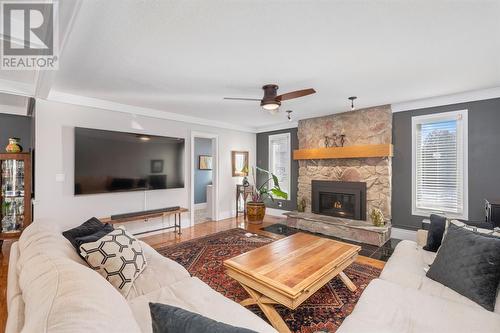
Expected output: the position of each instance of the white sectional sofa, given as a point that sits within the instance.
(404, 300)
(51, 289)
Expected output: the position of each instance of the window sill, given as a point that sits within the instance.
(427, 213)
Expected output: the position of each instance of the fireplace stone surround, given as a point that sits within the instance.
(361, 127)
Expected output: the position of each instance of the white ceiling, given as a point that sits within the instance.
(185, 56)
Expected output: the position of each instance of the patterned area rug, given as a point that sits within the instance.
(322, 312)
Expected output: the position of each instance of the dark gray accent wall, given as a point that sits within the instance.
(263, 162)
(483, 152)
(202, 178)
(15, 126)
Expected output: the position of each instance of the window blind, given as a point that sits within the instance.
(280, 159)
(439, 166)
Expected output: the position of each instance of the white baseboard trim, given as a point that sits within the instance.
(226, 215)
(399, 233)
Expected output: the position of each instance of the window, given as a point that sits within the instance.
(439, 179)
(280, 159)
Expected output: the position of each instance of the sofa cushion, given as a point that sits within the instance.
(386, 307)
(435, 234)
(118, 257)
(89, 231)
(159, 272)
(406, 267)
(469, 263)
(61, 294)
(15, 303)
(194, 295)
(167, 318)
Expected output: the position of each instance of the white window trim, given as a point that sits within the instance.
(270, 158)
(460, 114)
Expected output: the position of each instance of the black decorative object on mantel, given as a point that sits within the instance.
(336, 140)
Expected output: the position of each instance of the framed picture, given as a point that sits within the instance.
(239, 161)
(205, 162)
(156, 166)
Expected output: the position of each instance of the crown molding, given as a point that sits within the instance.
(468, 96)
(57, 96)
(277, 127)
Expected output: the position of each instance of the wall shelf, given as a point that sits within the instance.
(362, 151)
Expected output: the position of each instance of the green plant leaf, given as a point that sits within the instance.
(276, 181)
(279, 193)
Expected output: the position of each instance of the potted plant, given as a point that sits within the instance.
(256, 209)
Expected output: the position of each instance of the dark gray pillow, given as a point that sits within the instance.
(170, 319)
(84, 232)
(469, 263)
(436, 232)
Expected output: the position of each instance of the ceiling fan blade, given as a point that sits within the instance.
(242, 99)
(295, 94)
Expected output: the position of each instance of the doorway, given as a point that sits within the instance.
(204, 192)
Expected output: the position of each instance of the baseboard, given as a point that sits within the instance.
(226, 215)
(399, 233)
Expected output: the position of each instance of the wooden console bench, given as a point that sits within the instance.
(177, 224)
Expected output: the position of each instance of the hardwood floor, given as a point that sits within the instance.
(167, 238)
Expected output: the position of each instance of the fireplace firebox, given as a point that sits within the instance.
(339, 199)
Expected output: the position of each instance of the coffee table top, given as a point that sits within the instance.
(292, 264)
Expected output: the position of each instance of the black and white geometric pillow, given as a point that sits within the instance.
(118, 257)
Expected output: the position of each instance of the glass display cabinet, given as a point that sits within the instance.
(15, 194)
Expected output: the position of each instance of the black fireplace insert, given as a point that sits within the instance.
(339, 199)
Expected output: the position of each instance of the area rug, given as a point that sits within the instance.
(322, 312)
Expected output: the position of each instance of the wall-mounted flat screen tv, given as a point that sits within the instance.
(108, 161)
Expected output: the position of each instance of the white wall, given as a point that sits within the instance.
(55, 202)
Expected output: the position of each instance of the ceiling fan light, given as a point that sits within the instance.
(272, 106)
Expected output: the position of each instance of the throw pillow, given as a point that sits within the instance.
(166, 318)
(77, 236)
(435, 234)
(118, 257)
(469, 263)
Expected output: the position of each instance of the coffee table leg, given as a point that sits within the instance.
(266, 305)
(347, 281)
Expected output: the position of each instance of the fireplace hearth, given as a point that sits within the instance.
(339, 199)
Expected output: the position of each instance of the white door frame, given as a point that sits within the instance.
(215, 173)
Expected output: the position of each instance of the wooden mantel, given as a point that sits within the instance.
(382, 150)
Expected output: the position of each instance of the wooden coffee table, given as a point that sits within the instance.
(290, 270)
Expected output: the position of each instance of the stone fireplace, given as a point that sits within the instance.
(340, 193)
(339, 199)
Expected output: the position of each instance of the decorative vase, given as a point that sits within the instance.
(14, 146)
(377, 217)
(301, 206)
(256, 212)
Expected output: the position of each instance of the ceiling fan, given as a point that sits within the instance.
(271, 100)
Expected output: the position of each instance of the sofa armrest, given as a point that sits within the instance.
(422, 237)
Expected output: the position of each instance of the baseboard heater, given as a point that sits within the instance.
(144, 212)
